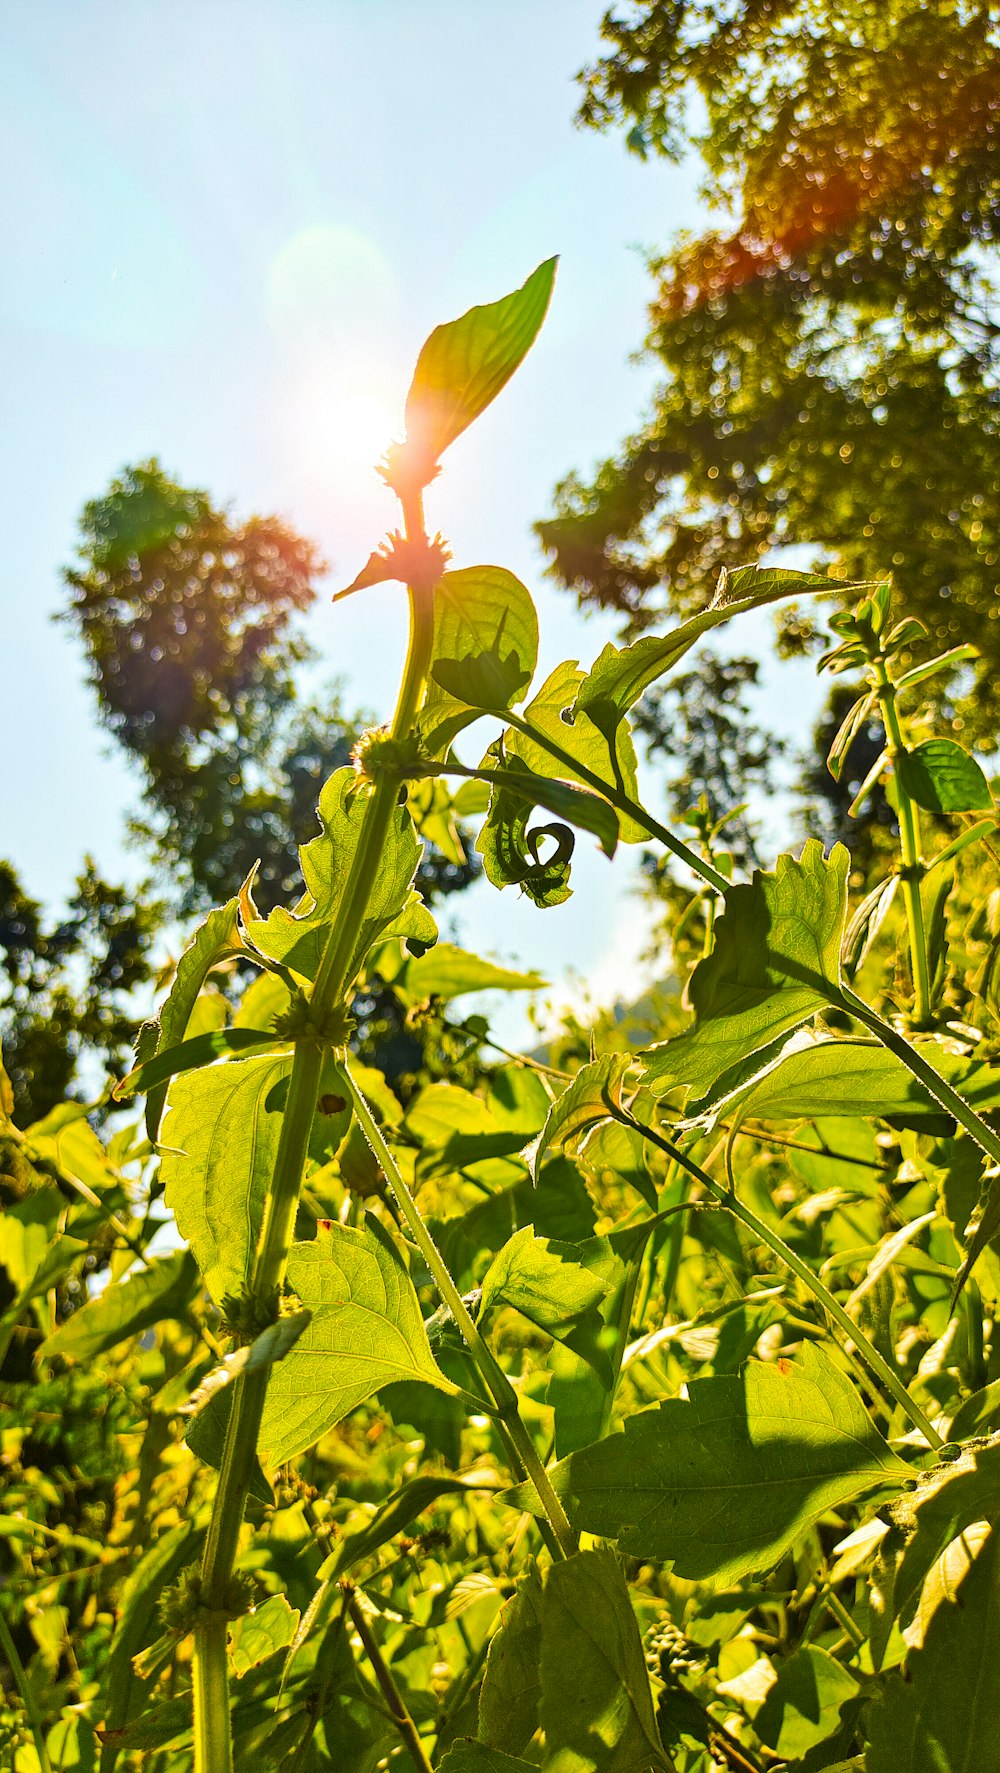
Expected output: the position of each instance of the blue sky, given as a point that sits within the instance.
(227, 229)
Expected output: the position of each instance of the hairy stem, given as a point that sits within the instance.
(913, 868)
(880, 1367)
(213, 1751)
(509, 1420)
(383, 1674)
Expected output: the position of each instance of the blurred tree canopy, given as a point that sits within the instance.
(830, 349)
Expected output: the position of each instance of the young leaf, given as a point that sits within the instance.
(257, 1635)
(865, 925)
(776, 961)
(217, 939)
(596, 1708)
(366, 1331)
(944, 1716)
(512, 853)
(484, 652)
(298, 938)
(590, 1099)
(465, 363)
(220, 1135)
(163, 1289)
(191, 1055)
(941, 776)
(723, 1482)
(448, 972)
(511, 1689)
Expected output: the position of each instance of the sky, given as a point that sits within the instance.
(227, 229)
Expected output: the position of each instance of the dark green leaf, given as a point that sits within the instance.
(511, 1689)
(776, 961)
(944, 1717)
(596, 1707)
(163, 1289)
(366, 1331)
(940, 776)
(475, 1757)
(724, 1481)
(465, 363)
(805, 1705)
(206, 1438)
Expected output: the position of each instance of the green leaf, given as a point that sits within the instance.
(475, 1757)
(940, 776)
(615, 1152)
(553, 712)
(596, 1707)
(944, 1717)
(271, 1345)
(262, 1633)
(590, 1099)
(559, 1287)
(191, 1055)
(217, 939)
(620, 675)
(220, 1135)
(947, 1501)
(511, 1689)
(449, 972)
(403, 1506)
(164, 1289)
(805, 1705)
(366, 1331)
(865, 925)
(465, 363)
(776, 961)
(724, 1481)
(856, 1077)
(297, 939)
(484, 652)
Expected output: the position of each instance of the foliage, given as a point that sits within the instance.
(828, 348)
(286, 1497)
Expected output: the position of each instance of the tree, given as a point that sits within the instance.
(65, 990)
(830, 349)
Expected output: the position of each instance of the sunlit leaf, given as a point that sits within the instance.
(163, 1289)
(484, 652)
(449, 972)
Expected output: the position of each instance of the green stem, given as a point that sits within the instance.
(618, 798)
(383, 1674)
(23, 1684)
(913, 869)
(508, 1416)
(869, 1353)
(213, 1750)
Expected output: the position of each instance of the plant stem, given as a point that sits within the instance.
(213, 1746)
(869, 1353)
(935, 1085)
(23, 1684)
(383, 1674)
(509, 1418)
(913, 868)
(618, 798)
